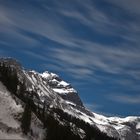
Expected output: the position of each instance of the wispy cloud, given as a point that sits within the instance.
(80, 55)
(14, 19)
(96, 57)
(126, 99)
(103, 22)
(54, 26)
(94, 107)
(131, 6)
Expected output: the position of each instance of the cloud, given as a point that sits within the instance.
(95, 57)
(54, 27)
(131, 6)
(80, 73)
(96, 108)
(92, 106)
(14, 19)
(35, 55)
(118, 23)
(90, 16)
(77, 54)
(129, 82)
(125, 99)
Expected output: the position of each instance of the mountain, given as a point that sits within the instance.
(41, 106)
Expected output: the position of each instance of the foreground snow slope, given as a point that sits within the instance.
(9, 108)
(10, 114)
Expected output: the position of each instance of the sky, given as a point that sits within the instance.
(92, 44)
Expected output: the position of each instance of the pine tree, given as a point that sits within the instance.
(26, 118)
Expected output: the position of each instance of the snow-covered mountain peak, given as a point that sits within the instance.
(55, 79)
(51, 81)
(48, 75)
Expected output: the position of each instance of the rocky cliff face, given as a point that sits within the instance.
(49, 108)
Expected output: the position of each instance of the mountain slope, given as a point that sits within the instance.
(57, 105)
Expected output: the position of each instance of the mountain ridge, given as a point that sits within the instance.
(58, 106)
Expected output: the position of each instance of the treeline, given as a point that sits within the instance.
(64, 131)
(8, 76)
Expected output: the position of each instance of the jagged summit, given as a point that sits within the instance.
(8, 61)
(58, 107)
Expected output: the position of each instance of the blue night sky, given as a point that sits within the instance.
(92, 44)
